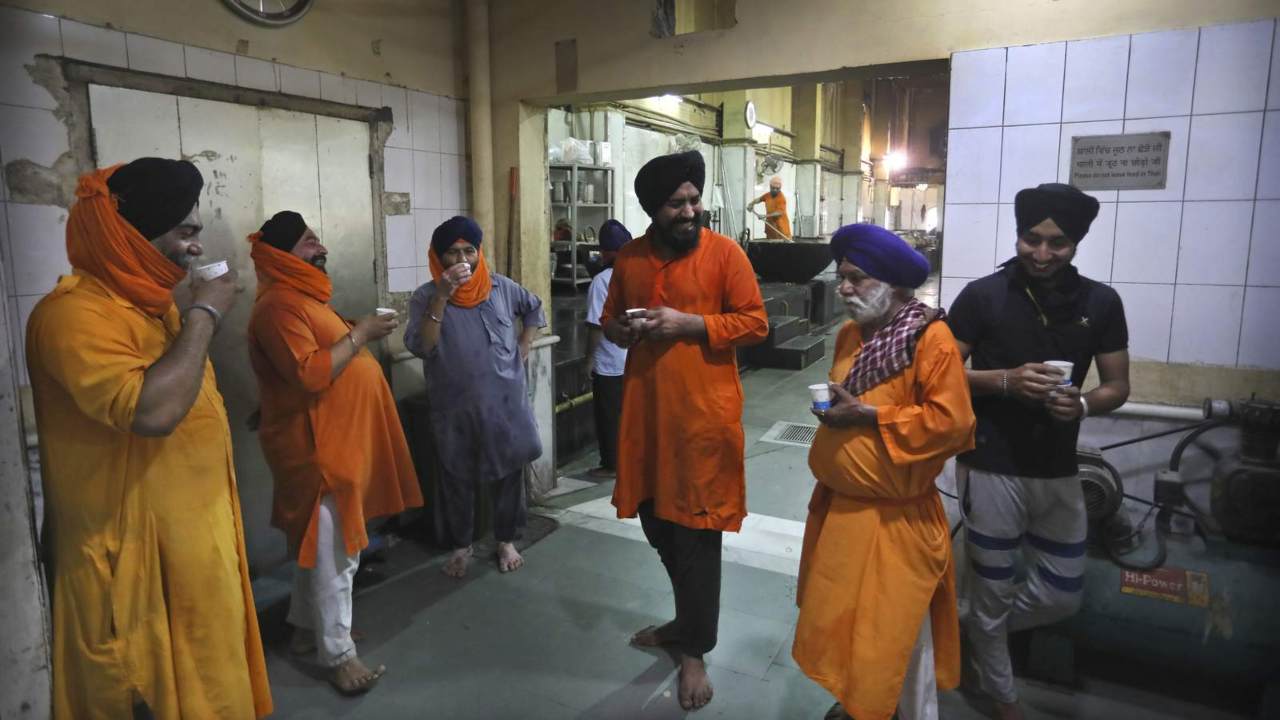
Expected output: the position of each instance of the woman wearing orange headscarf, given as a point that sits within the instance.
(463, 326)
(152, 608)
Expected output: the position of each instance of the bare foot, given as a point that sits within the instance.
(303, 641)
(654, 636)
(456, 565)
(354, 678)
(509, 560)
(1009, 711)
(695, 686)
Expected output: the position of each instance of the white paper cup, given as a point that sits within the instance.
(821, 394)
(1065, 366)
(383, 312)
(636, 314)
(212, 270)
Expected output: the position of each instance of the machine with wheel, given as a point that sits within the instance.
(1188, 590)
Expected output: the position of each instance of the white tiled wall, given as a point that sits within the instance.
(425, 153)
(1197, 263)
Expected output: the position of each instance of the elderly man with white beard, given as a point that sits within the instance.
(878, 626)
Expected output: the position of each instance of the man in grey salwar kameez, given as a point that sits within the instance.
(463, 324)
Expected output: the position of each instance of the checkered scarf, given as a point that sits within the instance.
(892, 348)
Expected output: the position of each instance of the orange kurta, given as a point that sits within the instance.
(320, 435)
(782, 223)
(680, 436)
(877, 549)
(151, 594)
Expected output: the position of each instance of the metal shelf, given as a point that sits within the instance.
(572, 177)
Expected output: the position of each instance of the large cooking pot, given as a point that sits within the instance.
(789, 261)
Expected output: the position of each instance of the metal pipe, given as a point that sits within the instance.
(572, 403)
(1159, 412)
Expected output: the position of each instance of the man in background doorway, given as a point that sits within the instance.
(153, 612)
(776, 224)
(330, 432)
(605, 360)
(473, 330)
(682, 299)
(1018, 487)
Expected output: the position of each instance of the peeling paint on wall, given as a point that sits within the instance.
(396, 203)
(31, 182)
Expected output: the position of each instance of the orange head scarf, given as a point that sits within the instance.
(475, 290)
(277, 267)
(103, 244)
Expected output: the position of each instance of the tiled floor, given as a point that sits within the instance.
(550, 641)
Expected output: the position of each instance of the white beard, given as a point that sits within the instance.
(870, 309)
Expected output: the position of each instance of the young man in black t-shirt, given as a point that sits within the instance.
(1018, 485)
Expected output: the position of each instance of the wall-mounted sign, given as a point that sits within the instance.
(1138, 161)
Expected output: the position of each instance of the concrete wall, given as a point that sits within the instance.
(617, 54)
(413, 43)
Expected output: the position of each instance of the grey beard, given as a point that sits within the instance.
(872, 308)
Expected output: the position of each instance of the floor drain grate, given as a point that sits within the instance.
(789, 433)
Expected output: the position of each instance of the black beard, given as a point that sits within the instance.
(318, 262)
(681, 243)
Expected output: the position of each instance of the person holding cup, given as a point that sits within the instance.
(473, 330)
(331, 434)
(878, 626)
(1031, 331)
(152, 611)
(682, 299)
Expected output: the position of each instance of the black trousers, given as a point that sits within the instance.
(692, 559)
(607, 401)
(457, 495)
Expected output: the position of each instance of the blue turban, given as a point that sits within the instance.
(658, 180)
(613, 235)
(454, 229)
(880, 254)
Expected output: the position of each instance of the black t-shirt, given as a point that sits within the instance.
(1005, 328)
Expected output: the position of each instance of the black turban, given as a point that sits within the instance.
(155, 194)
(454, 229)
(662, 176)
(1071, 209)
(284, 230)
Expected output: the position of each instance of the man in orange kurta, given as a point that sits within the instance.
(878, 625)
(331, 434)
(777, 226)
(681, 299)
(152, 608)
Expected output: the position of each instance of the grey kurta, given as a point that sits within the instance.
(480, 415)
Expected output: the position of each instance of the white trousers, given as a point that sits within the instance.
(919, 698)
(1045, 520)
(321, 600)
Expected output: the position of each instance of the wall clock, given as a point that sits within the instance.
(275, 13)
